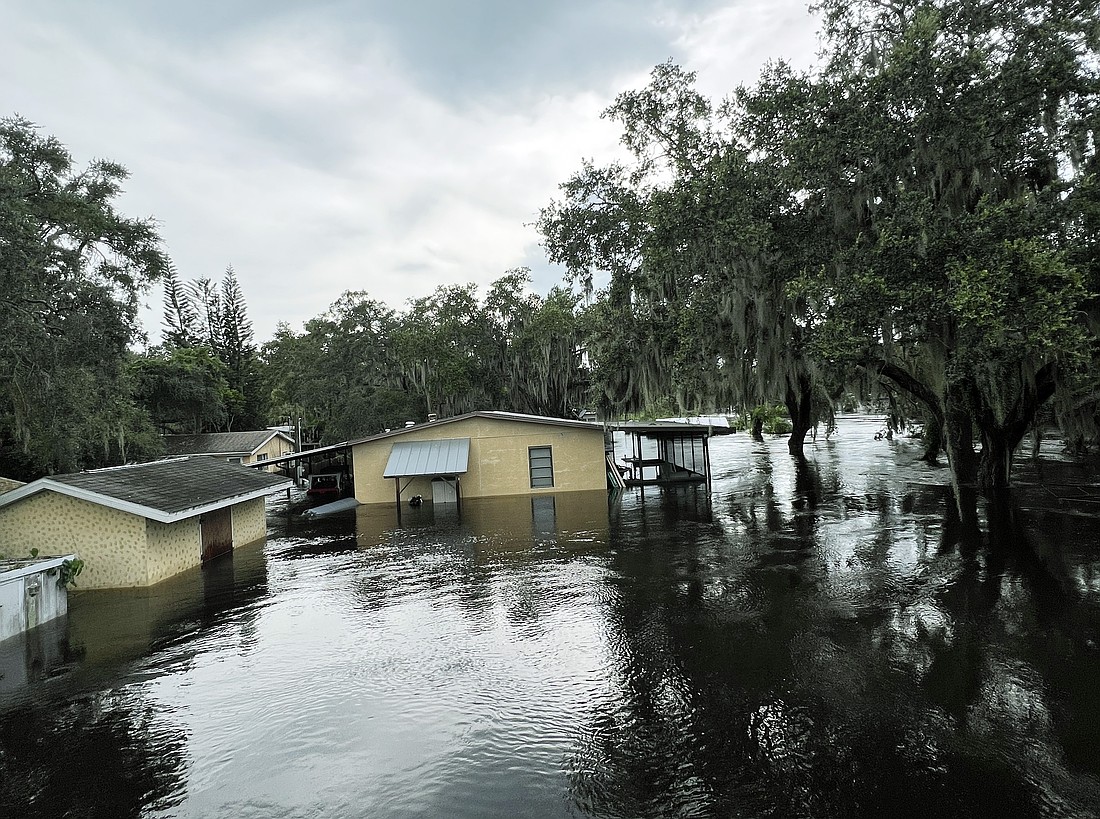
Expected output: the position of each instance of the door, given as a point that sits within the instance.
(444, 490)
(217, 533)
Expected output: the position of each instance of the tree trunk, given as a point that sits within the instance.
(932, 437)
(1001, 436)
(757, 428)
(799, 404)
(934, 414)
(995, 464)
(959, 435)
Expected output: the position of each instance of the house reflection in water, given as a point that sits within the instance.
(507, 523)
(107, 630)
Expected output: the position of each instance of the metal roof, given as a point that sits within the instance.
(446, 456)
(658, 429)
(165, 491)
(304, 455)
(491, 415)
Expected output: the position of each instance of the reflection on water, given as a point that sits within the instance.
(837, 637)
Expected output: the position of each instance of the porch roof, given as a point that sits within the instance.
(446, 456)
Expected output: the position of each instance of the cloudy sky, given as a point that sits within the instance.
(381, 145)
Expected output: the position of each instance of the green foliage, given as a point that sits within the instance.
(337, 375)
(70, 570)
(1018, 300)
(207, 376)
(71, 272)
(184, 389)
(770, 418)
(699, 239)
(920, 209)
(443, 345)
(362, 367)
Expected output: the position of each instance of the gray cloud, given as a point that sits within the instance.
(378, 146)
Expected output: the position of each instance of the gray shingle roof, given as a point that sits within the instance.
(163, 490)
(218, 443)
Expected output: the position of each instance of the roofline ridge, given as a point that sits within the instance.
(169, 459)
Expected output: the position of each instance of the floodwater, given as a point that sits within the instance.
(830, 640)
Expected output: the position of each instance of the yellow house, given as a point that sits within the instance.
(248, 448)
(137, 525)
(479, 455)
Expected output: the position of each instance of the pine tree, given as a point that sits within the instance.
(180, 316)
(235, 330)
(206, 300)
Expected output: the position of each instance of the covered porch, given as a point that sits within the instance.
(440, 461)
(664, 452)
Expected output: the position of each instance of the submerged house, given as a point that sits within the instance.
(477, 455)
(246, 448)
(137, 525)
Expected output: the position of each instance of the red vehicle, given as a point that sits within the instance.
(326, 485)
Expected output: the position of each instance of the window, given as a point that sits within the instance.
(261, 456)
(542, 466)
(234, 460)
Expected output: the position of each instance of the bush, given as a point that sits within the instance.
(773, 418)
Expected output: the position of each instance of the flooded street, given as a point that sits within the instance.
(831, 639)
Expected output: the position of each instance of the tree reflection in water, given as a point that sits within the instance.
(792, 656)
(81, 744)
(45, 771)
(833, 637)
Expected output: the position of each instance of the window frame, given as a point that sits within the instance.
(536, 481)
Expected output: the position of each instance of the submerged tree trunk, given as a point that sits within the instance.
(1003, 431)
(959, 435)
(934, 413)
(932, 437)
(799, 399)
(995, 464)
(757, 428)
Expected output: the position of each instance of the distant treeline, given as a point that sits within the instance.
(914, 220)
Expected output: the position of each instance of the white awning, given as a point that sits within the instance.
(447, 456)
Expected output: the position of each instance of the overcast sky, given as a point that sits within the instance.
(359, 145)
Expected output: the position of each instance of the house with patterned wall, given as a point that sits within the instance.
(139, 524)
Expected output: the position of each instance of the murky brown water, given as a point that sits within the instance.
(832, 640)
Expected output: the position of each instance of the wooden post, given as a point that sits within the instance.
(706, 460)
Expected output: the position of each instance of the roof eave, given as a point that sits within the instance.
(492, 415)
(274, 434)
(159, 515)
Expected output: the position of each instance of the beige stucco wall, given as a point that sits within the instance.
(249, 522)
(119, 549)
(172, 548)
(498, 459)
(111, 543)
